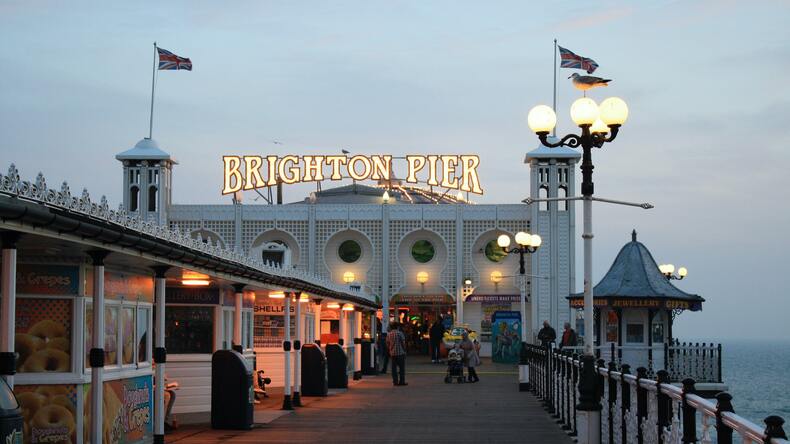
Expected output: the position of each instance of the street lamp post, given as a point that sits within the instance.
(525, 244)
(599, 125)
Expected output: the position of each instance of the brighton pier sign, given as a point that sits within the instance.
(457, 172)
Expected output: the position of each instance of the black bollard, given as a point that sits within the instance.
(689, 413)
(723, 404)
(773, 428)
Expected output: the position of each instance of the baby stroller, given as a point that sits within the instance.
(455, 366)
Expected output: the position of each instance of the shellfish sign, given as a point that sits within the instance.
(457, 172)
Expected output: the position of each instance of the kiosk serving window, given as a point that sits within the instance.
(127, 320)
(189, 329)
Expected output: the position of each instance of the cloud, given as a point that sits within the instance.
(585, 20)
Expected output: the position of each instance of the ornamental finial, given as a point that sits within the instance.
(633, 235)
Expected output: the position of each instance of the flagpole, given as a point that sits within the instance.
(153, 88)
(554, 106)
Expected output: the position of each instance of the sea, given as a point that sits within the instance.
(758, 376)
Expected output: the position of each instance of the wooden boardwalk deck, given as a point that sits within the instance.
(425, 411)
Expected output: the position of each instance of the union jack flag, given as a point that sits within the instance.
(571, 60)
(168, 60)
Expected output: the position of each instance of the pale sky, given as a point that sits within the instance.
(706, 141)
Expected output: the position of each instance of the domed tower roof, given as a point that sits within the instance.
(145, 149)
(544, 152)
(635, 275)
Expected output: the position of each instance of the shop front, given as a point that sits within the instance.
(199, 320)
(53, 335)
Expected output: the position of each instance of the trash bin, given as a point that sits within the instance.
(11, 422)
(314, 377)
(231, 391)
(368, 365)
(337, 366)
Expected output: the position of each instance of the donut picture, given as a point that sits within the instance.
(47, 360)
(48, 412)
(43, 335)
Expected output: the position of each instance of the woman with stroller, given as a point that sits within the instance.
(471, 358)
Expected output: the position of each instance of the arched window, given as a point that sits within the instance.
(543, 193)
(134, 198)
(152, 194)
(562, 205)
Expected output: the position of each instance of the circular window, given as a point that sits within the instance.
(422, 251)
(349, 251)
(494, 252)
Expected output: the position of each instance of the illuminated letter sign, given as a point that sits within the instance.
(251, 172)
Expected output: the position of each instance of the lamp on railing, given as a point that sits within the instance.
(668, 270)
(525, 244)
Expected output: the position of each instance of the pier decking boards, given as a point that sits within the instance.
(427, 410)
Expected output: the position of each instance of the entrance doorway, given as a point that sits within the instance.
(417, 313)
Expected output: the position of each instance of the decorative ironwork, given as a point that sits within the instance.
(38, 192)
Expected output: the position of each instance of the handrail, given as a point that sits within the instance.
(638, 407)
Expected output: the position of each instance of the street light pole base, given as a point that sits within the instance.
(287, 405)
(523, 378)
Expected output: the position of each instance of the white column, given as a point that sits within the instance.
(317, 321)
(297, 400)
(373, 333)
(160, 355)
(459, 264)
(238, 288)
(358, 343)
(97, 350)
(287, 352)
(385, 267)
(341, 328)
(8, 308)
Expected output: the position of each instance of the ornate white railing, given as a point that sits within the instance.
(640, 410)
(38, 192)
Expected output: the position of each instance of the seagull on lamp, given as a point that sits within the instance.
(583, 83)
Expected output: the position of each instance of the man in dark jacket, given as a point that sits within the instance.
(547, 335)
(436, 334)
(568, 337)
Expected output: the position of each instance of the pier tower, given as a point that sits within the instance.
(147, 181)
(552, 174)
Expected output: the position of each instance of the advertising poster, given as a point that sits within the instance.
(48, 413)
(128, 411)
(43, 335)
(126, 286)
(489, 308)
(505, 336)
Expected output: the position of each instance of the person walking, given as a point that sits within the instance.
(436, 333)
(568, 337)
(547, 335)
(471, 358)
(384, 350)
(396, 344)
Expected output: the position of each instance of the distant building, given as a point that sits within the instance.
(352, 234)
